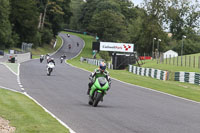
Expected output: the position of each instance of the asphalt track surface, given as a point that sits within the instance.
(125, 109)
(8, 79)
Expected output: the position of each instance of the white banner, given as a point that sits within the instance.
(118, 47)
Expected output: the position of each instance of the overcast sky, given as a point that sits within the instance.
(137, 2)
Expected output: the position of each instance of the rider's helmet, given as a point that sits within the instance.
(102, 66)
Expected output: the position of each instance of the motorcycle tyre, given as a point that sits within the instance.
(49, 72)
(90, 101)
(97, 99)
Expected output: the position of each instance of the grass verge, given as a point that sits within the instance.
(174, 68)
(12, 66)
(185, 90)
(26, 115)
(46, 49)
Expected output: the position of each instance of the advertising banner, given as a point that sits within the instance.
(117, 47)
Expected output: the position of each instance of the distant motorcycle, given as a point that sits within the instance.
(69, 46)
(50, 67)
(41, 58)
(61, 59)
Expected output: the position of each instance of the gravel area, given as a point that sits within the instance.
(4, 126)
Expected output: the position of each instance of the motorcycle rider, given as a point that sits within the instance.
(69, 46)
(41, 58)
(62, 57)
(99, 72)
(51, 60)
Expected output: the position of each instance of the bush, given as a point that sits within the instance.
(47, 36)
(104, 55)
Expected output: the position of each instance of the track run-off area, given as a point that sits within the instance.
(126, 108)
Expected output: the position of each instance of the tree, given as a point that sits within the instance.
(76, 13)
(5, 26)
(109, 26)
(24, 18)
(56, 13)
(183, 18)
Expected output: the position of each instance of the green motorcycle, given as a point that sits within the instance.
(98, 90)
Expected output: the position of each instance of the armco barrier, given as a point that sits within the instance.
(19, 57)
(188, 77)
(95, 62)
(149, 72)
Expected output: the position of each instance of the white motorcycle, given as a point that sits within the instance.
(50, 67)
(61, 59)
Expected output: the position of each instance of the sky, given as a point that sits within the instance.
(137, 2)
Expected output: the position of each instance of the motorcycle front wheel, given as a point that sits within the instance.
(97, 99)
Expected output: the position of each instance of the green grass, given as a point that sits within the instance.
(46, 49)
(185, 90)
(173, 67)
(26, 115)
(88, 48)
(13, 66)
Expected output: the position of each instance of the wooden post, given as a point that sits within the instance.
(163, 58)
(170, 59)
(173, 60)
(177, 60)
(166, 59)
(181, 60)
(194, 62)
(199, 61)
(185, 60)
(189, 61)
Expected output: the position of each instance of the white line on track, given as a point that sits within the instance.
(24, 93)
(9, 68)
(65, 125)
(61, 122)
(6, 88)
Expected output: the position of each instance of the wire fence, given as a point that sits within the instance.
(185, 61)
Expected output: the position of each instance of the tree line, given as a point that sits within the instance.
(122, 21)
(168, 24)
(32, 21)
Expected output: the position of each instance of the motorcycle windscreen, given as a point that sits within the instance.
(103, 83)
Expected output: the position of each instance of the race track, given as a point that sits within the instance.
(125, 109)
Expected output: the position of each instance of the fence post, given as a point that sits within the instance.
(169, 59)
(181, 60)
(166, 59)
(173, 60)
(160, 58)
(177, 60)
(199, 61)
(194, 62)
(185, 60)
(189, 61)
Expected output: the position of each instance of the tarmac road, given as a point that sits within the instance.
(126, 108)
